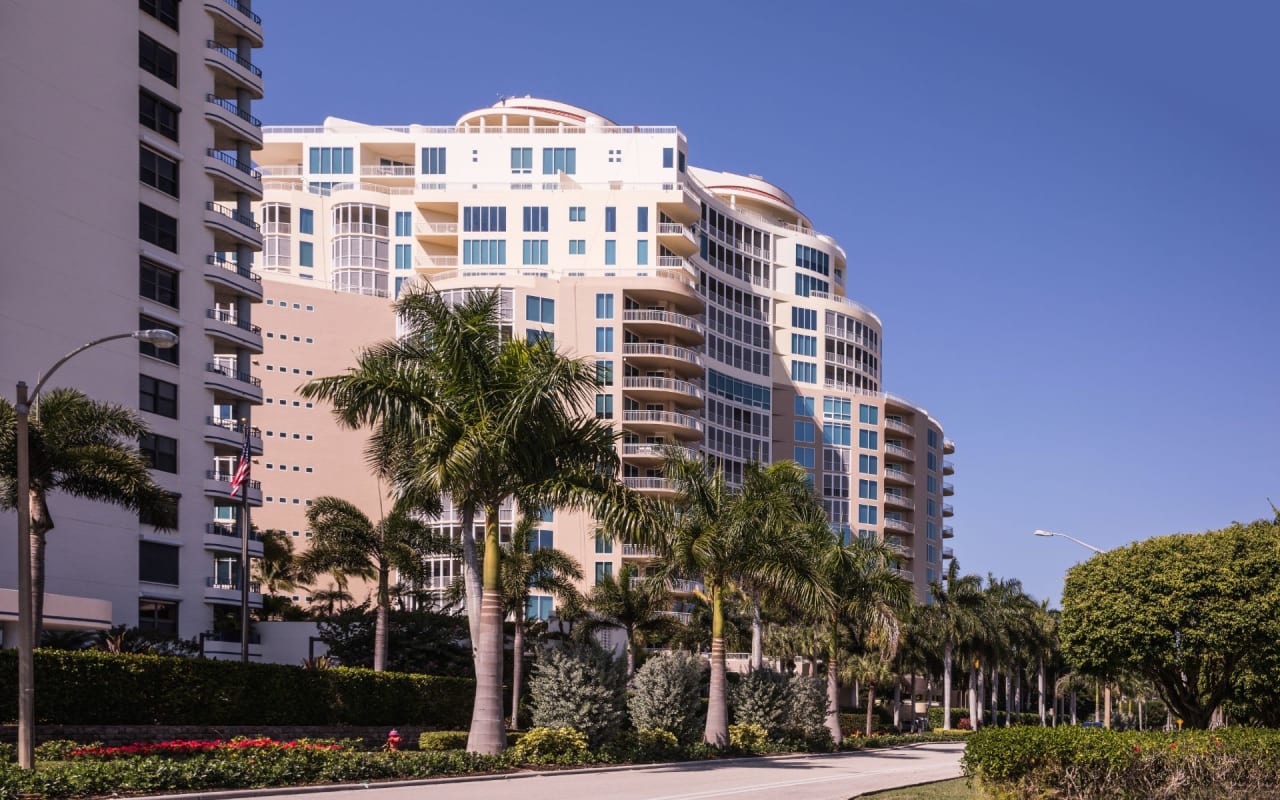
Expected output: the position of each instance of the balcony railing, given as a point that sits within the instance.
(948, 467)
(219, 583)
(243, 9)
(947, 510)
(906, 574)
(637, 551)
(666, 228)
(947, 552)
(899, 426)
(233, 425)
(424, 228)
(672, 261)
(668, 317)
(229, 372)
(232, 161)
(676, 584)
(948, 446)
(900, 452)
(682, 617)
(231, 266)
(665, 384)
(899, 525)
(899, 500)
(232, 214)
(229, 530)
(225, 477)
(222, 315)
(664, 350)
(233, 56)
(948, 488)
(656, 450)
(648, 483)
(847, 335)
(899, 475)
(234, 109)
(363, 228)
(387, 170)
(948, 532)
(663, 418)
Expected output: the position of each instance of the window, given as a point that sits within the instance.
(433, 161)
(157, 171)
(807, 284)
(836, 434)
(535, 219)
(604, 340)
(805, 431)
(811, 259)
(668, 157)
(559, 159)
(157, 59)
(804, 345)
(869, 440)
(610, 219)
(577, 247)
(868, 415)
(332, 160)
(484, 251)
(604, 306)
(804, 457)
(404, 256)
(804, 318)
(165, 515)
(521, 160)
(835, 485)
(604, 544)
(158, 283)
(642, 219)
(604, 406)
(837, 408)
(306, 254)
(933, 438)
(160, 452)
(158, 228)
(535, 252)
(932, 483)
(157, 115)
(932, 530)
(610, 252)
(868, 465)
(642, 253)
(541, 539)
(931, 553)
(604, 373)
(404, 223)
(158, 563)
(577, 213)
(164, 354)
(804, 406)
(484, 218)
(164, 10)
(157, 396)
(868, 515)
(932, 459)
(603, 568)
(540, 309)
(804, 372)
(160, 616)
(932, 506)
(680, 160)
(867, 490)
(306, 220)
(539, 608)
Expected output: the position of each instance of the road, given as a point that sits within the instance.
(824, 777)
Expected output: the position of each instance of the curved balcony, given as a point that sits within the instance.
(898, 547)
(226, 592)
(947, 510)
(948, 489)
(899, 500)
(231, 175)
(224, 325)
(659, 486)
(676, 287)
(897, 426)
(664, 423)
(224, 537)
(231, 275)
(232, 18)
(898, 476)
(218, 484)
(232, 123)
(655, 322)
(230, 433)
(905, 574)
(947, 552)
(638, 551)
(676, 585)
(673, 389)
(227, 379)
(891, 524)
(680, 203)
(900, 452)
(682, 617)
(948, 468)
(948, 532)
(231, 228)
(677, 238)
(232, 72)
(663, 356)
(948, 446)
(645, 452)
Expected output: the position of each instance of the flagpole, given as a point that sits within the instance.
(244, 549)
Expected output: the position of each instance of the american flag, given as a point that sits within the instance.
(242, 469)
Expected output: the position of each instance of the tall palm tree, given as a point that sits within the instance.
(632, 603)
(83, 448)
(328, 602)
(871, 669)
(459, 408)
(526, 567)
(952, 618)
(727, 534)
(345, 541)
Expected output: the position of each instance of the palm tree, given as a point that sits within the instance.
(729, 534)
(632, 603)
(459, 408)
(871, 669)
(277, 569)
(329, 601)
(952, 619)
(525, 567)
(345, 541)
(83, 448)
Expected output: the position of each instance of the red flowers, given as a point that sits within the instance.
(184, 747)
(1137, 748)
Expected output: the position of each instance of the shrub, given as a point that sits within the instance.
(666, 695)
(60, 749)
(807, 709)
(443, 740)
(579, 686)
(748, 737)
(550, 746)
(653, 744)
(164, 690)
(761, 698)
(935, 716)
(8, 753)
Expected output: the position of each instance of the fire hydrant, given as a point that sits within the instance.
(393, 740)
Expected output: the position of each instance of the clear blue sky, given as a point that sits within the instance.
(1090, 192)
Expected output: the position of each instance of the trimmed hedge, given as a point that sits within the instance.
(93, 688)
(1072, 763)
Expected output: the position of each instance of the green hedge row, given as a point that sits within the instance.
(93, 688)
(1071, 763)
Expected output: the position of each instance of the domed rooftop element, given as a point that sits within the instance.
(538, 112)
(753, 193)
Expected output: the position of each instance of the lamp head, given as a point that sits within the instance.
(1045, 533)
(160, 339)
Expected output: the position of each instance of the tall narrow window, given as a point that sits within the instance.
(157, 115)
(610, 219)
(157, 59)
(604, 306)
(157, 228)
(642, 253)
(158, 283)
(610, 252)
(157, 171)
(642, 219)
(433, 161)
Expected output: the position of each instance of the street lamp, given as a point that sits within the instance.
(1072, 538)
(26, 622)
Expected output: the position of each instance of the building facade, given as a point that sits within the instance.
(129, 186)
(715, 314)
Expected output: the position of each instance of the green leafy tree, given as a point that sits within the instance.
(83, 448)
(1187, 612)
(421, 642)
(632, 603)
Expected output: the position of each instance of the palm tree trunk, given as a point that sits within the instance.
(717, 729)
(1040, 688)
(631, 652)
(487, 734)
(1008, 696)
(946, 686)
(471, 583)
(1017, 692)
(871, 702)
(517, 667)
(41, 524)
(897, 703)
(980, 700)
(833, 686)
(381, 620)
(757, 634)
(1075, 720)
(975, 676)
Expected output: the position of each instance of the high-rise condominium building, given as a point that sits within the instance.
(128, 191)
(715, 314)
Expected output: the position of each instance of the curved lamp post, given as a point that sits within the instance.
(26, 623)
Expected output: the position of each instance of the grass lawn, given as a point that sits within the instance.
(943, 790)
